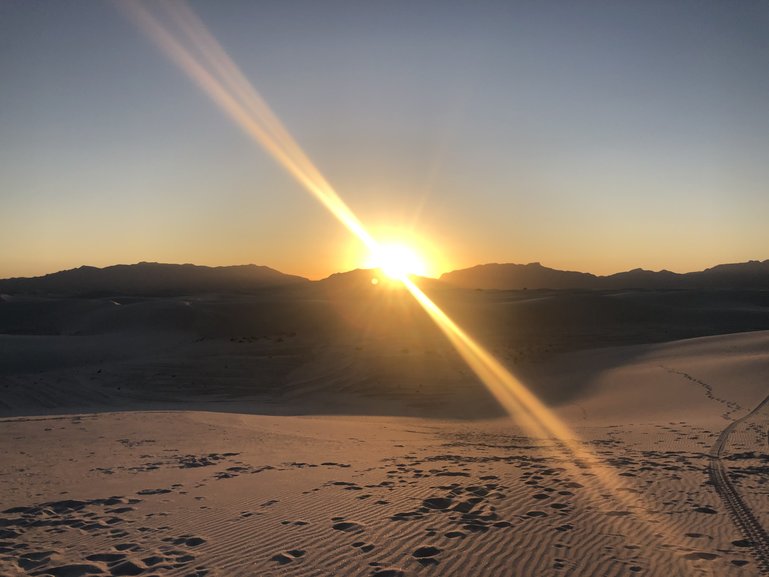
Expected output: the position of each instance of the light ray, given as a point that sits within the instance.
(209, 66)
(228, 88)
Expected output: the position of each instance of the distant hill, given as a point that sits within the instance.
(157, 279)
(150, 279)
(362, 279)
(748, 275)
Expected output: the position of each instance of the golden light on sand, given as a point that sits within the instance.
(397, 261)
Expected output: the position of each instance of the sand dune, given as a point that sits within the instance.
(708, 379)
(222, 492)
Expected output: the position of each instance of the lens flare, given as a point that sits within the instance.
(200, 56)
(397, 261)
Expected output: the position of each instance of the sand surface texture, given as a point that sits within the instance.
(219, 491)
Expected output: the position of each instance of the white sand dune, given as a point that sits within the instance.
(222, 492)
(704, 378)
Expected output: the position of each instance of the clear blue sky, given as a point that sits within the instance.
(595, 136)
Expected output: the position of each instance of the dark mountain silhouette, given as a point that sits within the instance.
(518, 276)
(643, 279)
(361, 280)
(150, 279)
(748, 275)
(157, 279)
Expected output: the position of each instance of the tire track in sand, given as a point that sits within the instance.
(740, 512)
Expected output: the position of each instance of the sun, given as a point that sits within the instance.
(397, 261)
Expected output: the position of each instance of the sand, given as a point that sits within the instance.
(225, 488)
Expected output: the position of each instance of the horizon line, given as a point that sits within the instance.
(438, 277)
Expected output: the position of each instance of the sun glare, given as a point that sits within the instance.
(397, 261)
(192, 47)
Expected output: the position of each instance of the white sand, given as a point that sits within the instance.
(222, 492)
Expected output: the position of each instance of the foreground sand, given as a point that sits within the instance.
(228, 493)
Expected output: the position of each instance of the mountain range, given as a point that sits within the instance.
(150, 279)
(748, 275)
(158, 279)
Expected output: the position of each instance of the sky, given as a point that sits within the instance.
(592, 136)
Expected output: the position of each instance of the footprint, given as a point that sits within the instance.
(127, 568)
(106, 557)
(439, 503)
(363, 546)
(743, 543)
(348, 527)
(388, 572)
(153, 491)
(697, 555)
(31, 560)
(287, 556)
(153, 560)
(75, 570)
(425, 554)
